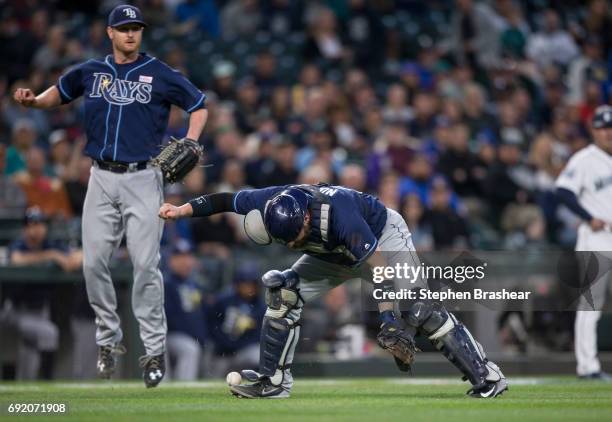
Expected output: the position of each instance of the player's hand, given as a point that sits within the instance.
(25, 97)
(597, 224)
(171, 212)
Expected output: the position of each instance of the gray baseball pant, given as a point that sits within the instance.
(116, 204)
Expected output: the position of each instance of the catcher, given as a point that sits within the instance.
(126, 100)
(343, 234)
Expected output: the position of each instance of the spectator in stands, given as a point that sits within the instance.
(51, 53)
(282, 17)
(420, 173)
(16, 47)
(475, 33)
(588, 66)
(60, 154)
(186, 312)
(43, 191)
(413, 212)
(280, 168)
(388, 190)
(200, 14)
(396, 108)
(13, 201)
(460, 166)
(553, 44)
(364, 34)
(507, 181)
(264, 74)
(597, 22)
(449, 229)
(247, 109)
(27, 307)
(24, 137)
(324, 44)
(240, 18)
(353, 176)
(224, 83)
(478, 118)
(425, 108)
(235, 322)
(316, 173)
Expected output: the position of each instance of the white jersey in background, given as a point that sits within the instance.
(588, 175)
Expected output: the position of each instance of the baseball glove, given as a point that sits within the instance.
(397, 341)
(178, 158)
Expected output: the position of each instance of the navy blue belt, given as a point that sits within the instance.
(120, 167)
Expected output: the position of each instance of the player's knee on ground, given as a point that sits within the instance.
(280, 329)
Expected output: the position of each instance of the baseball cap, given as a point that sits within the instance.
(602, 117)
(124, 14)
(224, 69)
(182, 246)
(247, 272)
(57, 136)
(34, 215)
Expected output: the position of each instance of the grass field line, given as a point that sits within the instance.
(15, 387)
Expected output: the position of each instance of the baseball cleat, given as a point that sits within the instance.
(154, 369)
(597, 376)
(262, 389)
(107, 363)
(489, 390)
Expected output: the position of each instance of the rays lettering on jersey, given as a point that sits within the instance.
(603, 183)
(119, 91)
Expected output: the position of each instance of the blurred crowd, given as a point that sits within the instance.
(457, 113)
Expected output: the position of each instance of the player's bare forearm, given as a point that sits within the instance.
(48, 99)
(202, 206)
(197, 121)
(172, 212)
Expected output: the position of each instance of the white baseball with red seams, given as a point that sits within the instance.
(233, 378)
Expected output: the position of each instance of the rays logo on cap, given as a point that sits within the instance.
(130, 13)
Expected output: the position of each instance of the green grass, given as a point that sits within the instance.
(372, 400)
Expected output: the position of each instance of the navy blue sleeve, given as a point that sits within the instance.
(250, 199)
(181, 92)
(568, 198)
(355, 234)
(70, 84)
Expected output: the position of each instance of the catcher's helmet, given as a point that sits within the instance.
(602, 117)
(285, 213)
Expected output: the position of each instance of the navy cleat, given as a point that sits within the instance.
(107, 363)
(490, 390)
(261, 389)
(154, 369)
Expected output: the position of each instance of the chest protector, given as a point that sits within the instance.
(320, 215)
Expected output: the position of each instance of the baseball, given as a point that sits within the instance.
(233, 378)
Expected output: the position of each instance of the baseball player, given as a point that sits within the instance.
(127, 97)
(585, 187)
(339, 230)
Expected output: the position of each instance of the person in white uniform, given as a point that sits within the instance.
(585, 187)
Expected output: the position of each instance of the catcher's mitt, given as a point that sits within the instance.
(397, 341)
(178, 158)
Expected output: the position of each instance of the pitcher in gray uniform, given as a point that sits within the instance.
(127, 98)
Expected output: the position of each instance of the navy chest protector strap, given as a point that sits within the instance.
(320, 214)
